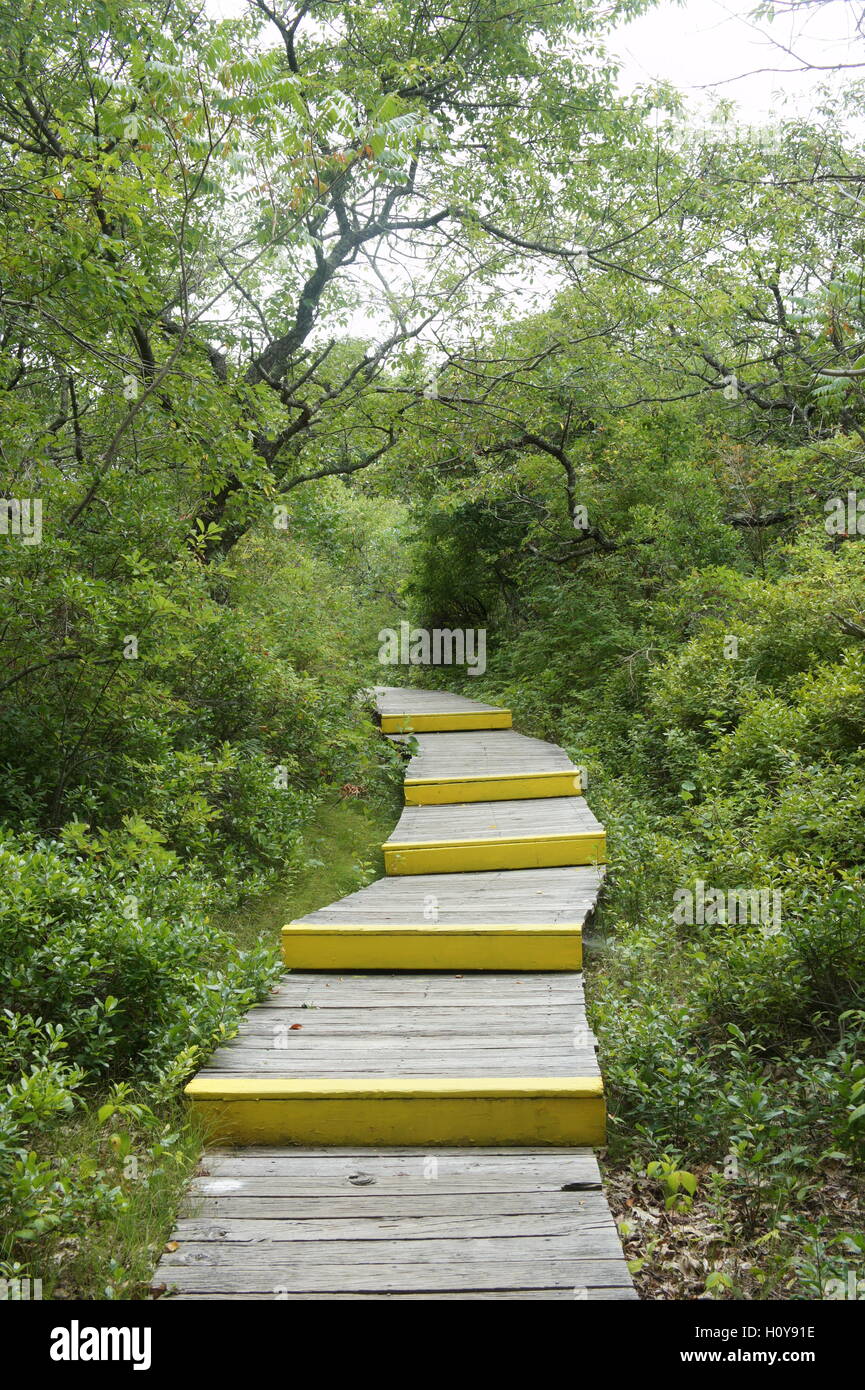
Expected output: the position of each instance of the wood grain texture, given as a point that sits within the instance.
(483, 1224)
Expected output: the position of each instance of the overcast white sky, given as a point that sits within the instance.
(703, 42)
(706, 49)
(701, 45)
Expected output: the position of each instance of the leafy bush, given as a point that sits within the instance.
(735, 1048)
(107, 938)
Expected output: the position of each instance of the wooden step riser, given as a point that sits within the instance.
(432, 948)
(514, 1112)
(445, 723)
(451, 791)
(474, 856)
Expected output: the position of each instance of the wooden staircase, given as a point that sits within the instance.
(440, 1007)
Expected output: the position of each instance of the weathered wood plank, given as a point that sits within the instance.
(280, 1277)
(477, 752)
(420, 986)
(472, 1295)
(313, 1159)
(489, 1224)
(526, 1040)
(395, 699)
(500, 820)
(387, 1206)
(417, 1257)
(515, 896)
(266, 1187)
(461, 1225)
(366, 1022)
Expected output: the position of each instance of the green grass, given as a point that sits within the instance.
(115, 1258)
(342, 853)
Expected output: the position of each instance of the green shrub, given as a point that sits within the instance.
(108, 938)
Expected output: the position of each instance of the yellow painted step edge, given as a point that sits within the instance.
(507, 786)
(474, 856)
(445, 721)
(396, 1110)
(433, 946)
(416, 1088)
(502, 840)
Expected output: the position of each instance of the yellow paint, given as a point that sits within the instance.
(510, 786)
(445, 722)
(512, 1110)
(473, 856)
(433, 946)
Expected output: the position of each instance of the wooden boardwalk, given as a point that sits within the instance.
(399, 1223)
(416, 1104)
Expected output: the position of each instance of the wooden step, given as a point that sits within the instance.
(404, 710)
(517, 834)
(468, 856)
(443, 720)
(432, 946)
(398, 1110)
(518, 919)
(414, 1058)
(439, 791)
(514, 897)
(492, 765)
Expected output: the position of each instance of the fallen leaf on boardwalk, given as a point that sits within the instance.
(171, 1246)
(294, 1025)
